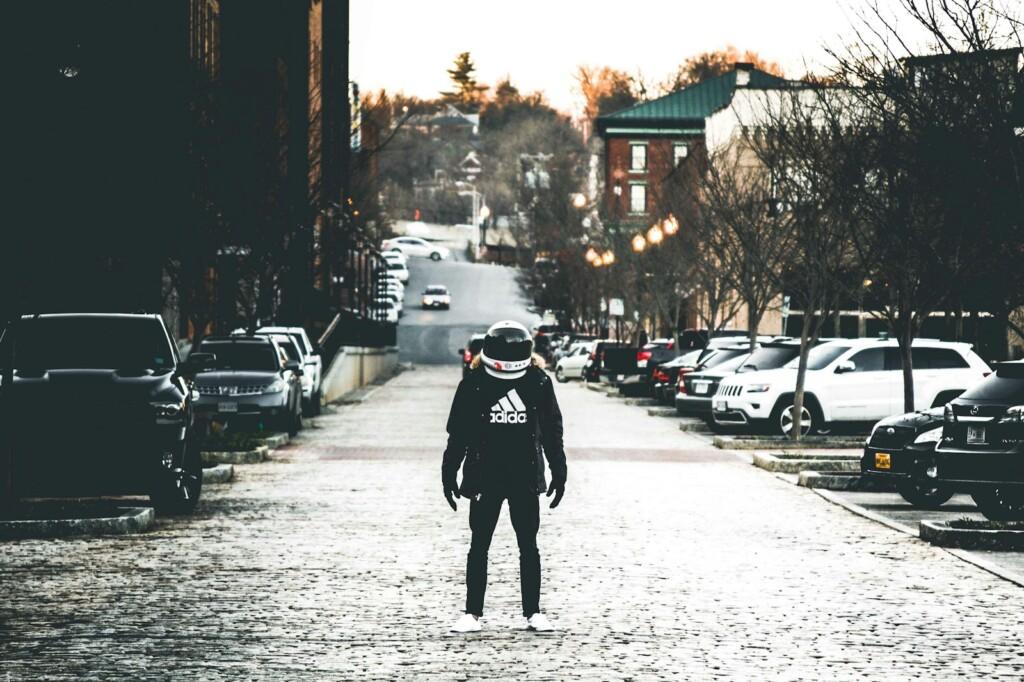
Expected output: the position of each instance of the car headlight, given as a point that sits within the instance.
(1014, 415)
(930, 436)
(275, 387)
(168, 410)
(759, 388)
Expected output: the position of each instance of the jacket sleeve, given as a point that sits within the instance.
(459, 438)
(551, 433)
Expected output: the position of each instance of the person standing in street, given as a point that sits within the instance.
(503, 416)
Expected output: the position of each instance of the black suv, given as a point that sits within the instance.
(472, 349)
(982, 446)
(253, 383)
(103, 406)
(902, 448)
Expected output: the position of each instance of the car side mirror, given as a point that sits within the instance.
(846, 366)
(196, 363)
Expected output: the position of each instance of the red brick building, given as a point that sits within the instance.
(644, 143)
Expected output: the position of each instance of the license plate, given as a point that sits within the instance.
(975, 435)
(721, 406)
(227, 407)
(883, 460)
(700, 387)
(620, 377)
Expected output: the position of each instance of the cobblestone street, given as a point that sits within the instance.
(339, 559)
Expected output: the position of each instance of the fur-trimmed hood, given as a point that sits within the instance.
(537, 361)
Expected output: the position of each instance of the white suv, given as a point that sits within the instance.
(848, 380)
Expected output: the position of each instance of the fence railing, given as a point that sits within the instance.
(348, 328)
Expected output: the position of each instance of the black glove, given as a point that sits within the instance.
(451, 489)
(558, 488)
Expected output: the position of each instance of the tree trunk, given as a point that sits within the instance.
(906, 340)
(801, 375)
(754, 321)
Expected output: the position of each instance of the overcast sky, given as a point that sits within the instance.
(408, 44)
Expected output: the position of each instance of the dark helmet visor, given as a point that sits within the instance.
(508, 345)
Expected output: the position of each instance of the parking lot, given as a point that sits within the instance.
(668, 558)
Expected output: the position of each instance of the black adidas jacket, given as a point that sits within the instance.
(467, 434)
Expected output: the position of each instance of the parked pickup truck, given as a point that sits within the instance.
(631, 367)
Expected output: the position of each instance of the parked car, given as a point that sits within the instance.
(387, 309)
(472, 349)
(103, 405)
(436, 296)
(594, 368)
(734, 355)
(398, 270)
(698, 388)
(665, 376)
(855, 380)
(568, 341)
(252, 382)
(395, 256)
(902, 448)
(981, 451)
(312, 368)
(391, 297)
(414, 246)
(630, 368)
(571, 365)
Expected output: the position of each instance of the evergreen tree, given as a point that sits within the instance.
(468, 93)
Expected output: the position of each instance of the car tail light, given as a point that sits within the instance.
(660, 376)
(643, 355)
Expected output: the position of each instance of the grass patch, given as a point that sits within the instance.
(975, 524)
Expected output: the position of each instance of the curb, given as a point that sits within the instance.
(807, 443)
(693, 426)
(641, 402)
(663, 412)
(841, 480)
(276, 440)
(940, 533)
(794, 464)
(221, 473)
(240, 457)
(963, 555)
(130, 520)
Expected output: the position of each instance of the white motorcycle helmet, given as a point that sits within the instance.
(507, 350)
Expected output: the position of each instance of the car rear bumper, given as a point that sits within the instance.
(688, 404)
(973, 469)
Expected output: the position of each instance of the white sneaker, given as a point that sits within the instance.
(538, 622)
(467, 623)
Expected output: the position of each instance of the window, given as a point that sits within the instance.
(937, 358)
(820, 357)
(638, 157)
(871, 360)
(638, 198)
(679, 152)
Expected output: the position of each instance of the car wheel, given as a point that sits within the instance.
(560, 375)
(177, 491)
(782, 419)
(1000, 504)
(435, 256)
(923, 494)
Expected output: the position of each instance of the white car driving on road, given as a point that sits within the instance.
(849, 380)
(414, 246)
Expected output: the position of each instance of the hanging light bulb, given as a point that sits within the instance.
(670, 225)
(592, 255)
(639, 243)
(608, 258)
(655, 235)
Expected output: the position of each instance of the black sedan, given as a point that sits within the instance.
(102, 405)
(982, 446)
(902, 448)
(472, 349)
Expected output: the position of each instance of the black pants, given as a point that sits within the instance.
(524, 508)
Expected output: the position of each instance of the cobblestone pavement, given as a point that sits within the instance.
(339, 559)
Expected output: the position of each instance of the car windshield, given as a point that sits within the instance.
(820, 357)
(436, 290)
(733, 364)
(769, 358)
(244, 356)
(395, 265)
(1002, 387)
(289, 347)
(721, 357)
(92, 343)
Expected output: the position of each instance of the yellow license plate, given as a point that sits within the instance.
(883, 460)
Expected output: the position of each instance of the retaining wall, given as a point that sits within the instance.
(355, 367)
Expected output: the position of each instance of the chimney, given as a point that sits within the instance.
(743, 70)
